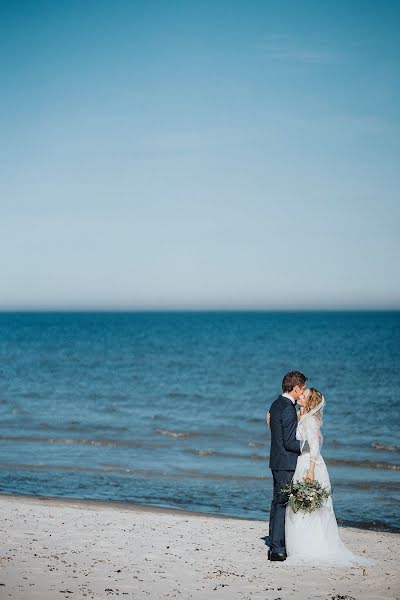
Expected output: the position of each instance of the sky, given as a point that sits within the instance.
(208, 154)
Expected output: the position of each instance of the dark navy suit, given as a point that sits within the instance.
(282, 461)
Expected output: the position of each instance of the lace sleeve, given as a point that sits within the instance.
(311, 427)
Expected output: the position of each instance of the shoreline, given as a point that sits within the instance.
(127, 505)
(78, 549)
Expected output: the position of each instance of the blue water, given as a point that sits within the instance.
(169, 408)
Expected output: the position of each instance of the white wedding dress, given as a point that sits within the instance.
(313, 538)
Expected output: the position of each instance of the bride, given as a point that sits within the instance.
(313, 538)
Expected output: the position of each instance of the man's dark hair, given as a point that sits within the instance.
(292, 379)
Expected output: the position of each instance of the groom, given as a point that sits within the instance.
(283, 456)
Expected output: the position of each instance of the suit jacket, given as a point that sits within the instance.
(284, 447)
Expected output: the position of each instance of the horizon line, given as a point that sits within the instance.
(170, 309)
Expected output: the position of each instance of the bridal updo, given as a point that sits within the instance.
(314, 398)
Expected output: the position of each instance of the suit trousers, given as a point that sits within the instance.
(278, 511)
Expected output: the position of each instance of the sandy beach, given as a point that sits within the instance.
(61, 548)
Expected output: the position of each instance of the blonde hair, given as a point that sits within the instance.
(314, 398)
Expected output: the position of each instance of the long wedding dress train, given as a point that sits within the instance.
(313, 538)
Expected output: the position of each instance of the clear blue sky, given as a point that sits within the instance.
(199, 154)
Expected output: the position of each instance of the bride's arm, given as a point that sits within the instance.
(312, 430)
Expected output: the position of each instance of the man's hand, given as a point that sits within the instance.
(268, 419)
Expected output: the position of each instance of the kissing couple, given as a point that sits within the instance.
(296, 441)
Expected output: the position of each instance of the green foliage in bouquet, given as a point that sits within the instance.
(306, 496)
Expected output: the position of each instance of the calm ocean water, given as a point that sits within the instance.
(169, 408)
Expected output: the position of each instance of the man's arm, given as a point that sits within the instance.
(289, 425)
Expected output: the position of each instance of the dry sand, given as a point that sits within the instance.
(53, 549)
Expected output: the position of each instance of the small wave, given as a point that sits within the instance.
(371, 525)
(220, 454)
(77, 426)
(387, 447)
(205, 475)
(389, 486)
(181, 474)
(254, 444)
(174, 434)
(47, 467)
(366, 464)
(220, 433)
(115, 465)
(183, 395)
(103, 442)
(204, 452)
(333, 443)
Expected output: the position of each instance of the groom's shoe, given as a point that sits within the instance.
(276, 556)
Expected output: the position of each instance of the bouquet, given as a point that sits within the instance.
(306, 496)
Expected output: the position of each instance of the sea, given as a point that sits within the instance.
(168, 408)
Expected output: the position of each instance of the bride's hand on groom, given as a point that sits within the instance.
(300, 412)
